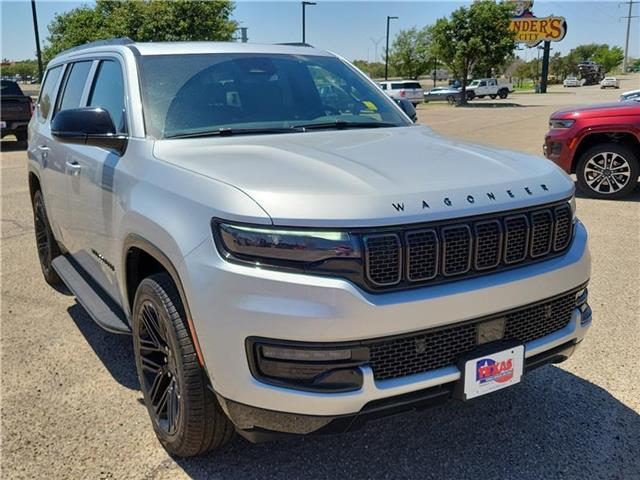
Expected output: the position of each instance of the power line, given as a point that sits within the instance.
(626, 42)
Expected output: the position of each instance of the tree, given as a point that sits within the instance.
(143, 21)
(410, 55)
(472, 35)
(609, 57)
(24, 68)
(373, 69)
(584, 53)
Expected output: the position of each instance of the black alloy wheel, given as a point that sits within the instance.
(184, 412)
(45, 241)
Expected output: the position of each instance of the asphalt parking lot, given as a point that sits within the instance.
(71, 407)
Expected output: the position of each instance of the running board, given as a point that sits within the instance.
(100, 307)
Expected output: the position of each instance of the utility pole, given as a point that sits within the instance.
(386, 52)
(626, 43)
(35, 28)
(376, 43)
(304, 5)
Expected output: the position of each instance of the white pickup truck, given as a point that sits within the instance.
(490, 87)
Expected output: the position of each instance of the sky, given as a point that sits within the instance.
(349, 28)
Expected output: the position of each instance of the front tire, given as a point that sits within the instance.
(185, 415)
(608, 170)
(22, 136)
(492, 97)
(45, 241)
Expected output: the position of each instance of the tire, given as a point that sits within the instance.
(619, 162)
(492, 97)
(21, 136)
(504, 93)
(45, 241)
(172, 379)
(451, 99)
(480, 96)
(471, 95)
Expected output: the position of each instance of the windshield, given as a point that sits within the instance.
(187, 94)
(475, 83)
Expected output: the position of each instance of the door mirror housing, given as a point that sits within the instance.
(88, 126)
(408, 108)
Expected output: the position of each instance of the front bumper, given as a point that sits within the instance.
(230, 303)
(259, 425)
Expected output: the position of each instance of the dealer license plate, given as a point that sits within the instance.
(493, 371)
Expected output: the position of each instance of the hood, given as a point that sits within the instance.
(599, 110)
(369, 177)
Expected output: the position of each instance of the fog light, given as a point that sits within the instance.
(581, 297)
(307, 366)
(306, 355)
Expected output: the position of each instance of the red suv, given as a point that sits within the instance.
(600, 144)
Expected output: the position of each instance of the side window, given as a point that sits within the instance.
(108, 92)
(47, 92)
(74, 84)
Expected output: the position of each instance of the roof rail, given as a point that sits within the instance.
(296, 44)
(99, 43)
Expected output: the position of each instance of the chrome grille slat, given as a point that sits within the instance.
(456, 250)
(541, 233)
(423, 250)
(383, 257)
(516, 238)
(446, 252)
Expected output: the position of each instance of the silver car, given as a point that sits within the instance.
(446, 94)
(288, 251)
(404, 90)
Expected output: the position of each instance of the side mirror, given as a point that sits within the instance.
(88, 126)
(408, 108)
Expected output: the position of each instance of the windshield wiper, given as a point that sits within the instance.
(343, 124)
(227, 132)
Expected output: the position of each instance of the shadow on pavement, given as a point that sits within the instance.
(12, 146)
(115, 351)
(553, 425)
(476, 104)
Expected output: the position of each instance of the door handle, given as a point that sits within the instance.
(73, 168)
(43, 148)
(44, 151)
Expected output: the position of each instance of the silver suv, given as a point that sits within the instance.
(288, 251)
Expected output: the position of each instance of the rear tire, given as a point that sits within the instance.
(45, 241)
(21, 136)
(504, 93)
(492, 97)
(184, 412)
(480, 96)
(608, 171)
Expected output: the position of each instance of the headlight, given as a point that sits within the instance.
(278, 246)
(561, 123)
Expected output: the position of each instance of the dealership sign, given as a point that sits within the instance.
(532, 30)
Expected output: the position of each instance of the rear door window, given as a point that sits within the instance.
(74, 85)
(47, 92)
(108, 93)
(412, 85)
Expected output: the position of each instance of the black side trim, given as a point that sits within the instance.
(101, 307)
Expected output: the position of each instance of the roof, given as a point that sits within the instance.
(186, 48)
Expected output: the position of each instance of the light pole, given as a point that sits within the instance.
(386, 52)
(35, 28)
(304, 5)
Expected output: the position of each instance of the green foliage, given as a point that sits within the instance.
(410, 55)
(143, 21)
(475, 35)
(373, 69)
(584, 53)
(609, 57)
(24, 68)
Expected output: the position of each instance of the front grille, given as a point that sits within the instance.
(446, 251)
(437, 348)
